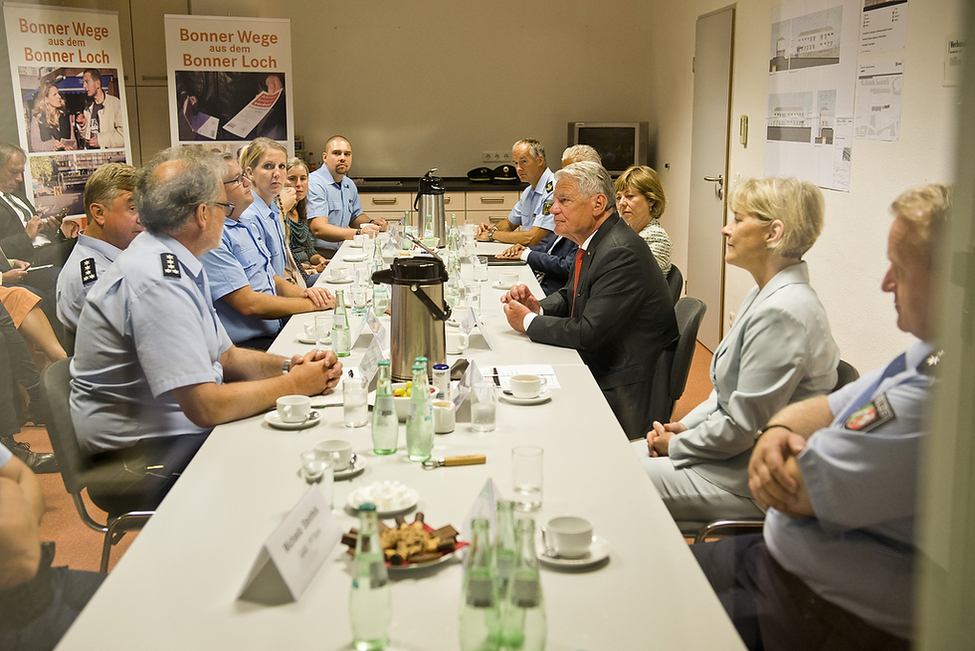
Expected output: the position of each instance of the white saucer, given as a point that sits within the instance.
(598, 552)
(542, 397)
(353, 258)
(357, 467)
(272, 419)
(497, 284)
(340, 281)
(353, 245)
(305, 340)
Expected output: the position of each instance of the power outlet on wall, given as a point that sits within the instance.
(496, 157)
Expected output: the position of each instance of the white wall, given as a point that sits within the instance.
(434, 83)
(849, 259)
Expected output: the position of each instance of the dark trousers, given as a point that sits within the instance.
(16, 366)
(138, 477)
(37, 614)
(773, 609)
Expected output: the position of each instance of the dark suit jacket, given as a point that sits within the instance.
(16, 244)
(553, 268)
(624, 318)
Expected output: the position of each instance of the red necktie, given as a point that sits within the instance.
(575, 286)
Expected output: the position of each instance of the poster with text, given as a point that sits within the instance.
(229, 81)
(811, 89)
(66, 67)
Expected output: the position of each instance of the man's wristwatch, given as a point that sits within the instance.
(286, 367)
(358, 230)
(491, 233)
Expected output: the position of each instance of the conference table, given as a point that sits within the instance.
(177, 585)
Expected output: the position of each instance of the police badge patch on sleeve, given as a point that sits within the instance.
(170, 265)
(547, 207)
(871, 416)
(88, 272)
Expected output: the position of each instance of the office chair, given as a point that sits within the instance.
(674, 366)
(76, 470)
(845, 373)
(675, 280)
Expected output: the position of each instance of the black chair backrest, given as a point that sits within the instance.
(690, 311)
(55, 394)
(675, 279)
(845, 373)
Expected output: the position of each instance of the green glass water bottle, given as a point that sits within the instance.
(370, 601)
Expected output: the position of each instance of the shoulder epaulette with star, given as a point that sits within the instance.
(929, 365)
(170, 265)
(88, 271)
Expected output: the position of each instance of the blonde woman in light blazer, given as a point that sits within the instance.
(779, 350)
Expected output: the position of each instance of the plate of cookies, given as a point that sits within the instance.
(412, 546)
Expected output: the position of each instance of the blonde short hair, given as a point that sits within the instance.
(798, 204)
(926, 209)
(646, 181)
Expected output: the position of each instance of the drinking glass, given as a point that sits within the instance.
(354, 403)
(360, 295)
(526, 477)
(323, 331)
(316, 470)
(480, 268)
(484, 407)
(474, 298)
(380, 299)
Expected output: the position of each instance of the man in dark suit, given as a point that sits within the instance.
(25, 235)
(616, 309)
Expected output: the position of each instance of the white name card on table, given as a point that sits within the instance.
(377, 328)
(467, 326)
(470, 377)
(485, 506)
(370, 361)
(293, 554)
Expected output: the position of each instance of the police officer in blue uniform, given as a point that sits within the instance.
(113, 222)
(156, 371)
(249, 297)
(334, 210)
(530, 221)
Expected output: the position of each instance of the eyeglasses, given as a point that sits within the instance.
(228, 208)
(237, 180)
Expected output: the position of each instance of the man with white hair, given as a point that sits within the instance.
(616, 309)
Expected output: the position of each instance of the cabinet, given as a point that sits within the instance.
(388, 205)
(488, 206)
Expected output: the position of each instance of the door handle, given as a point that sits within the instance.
(719, 179)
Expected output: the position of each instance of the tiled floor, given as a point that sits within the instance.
(80, 547)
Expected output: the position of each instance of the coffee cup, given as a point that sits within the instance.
(509, 278)
(567, 536)
(336, 449)
(457, 343)
(293, 409)
(311, 331)
(527, 386)
(444, 419)
(335, 273)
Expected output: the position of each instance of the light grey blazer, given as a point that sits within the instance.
(779, 351)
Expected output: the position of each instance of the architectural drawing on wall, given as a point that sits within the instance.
(790, 117)
(878, 106)
(806, 41)
(825, 117)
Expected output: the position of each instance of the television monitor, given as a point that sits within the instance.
(620, 144)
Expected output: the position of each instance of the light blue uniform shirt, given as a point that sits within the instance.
(240, 260)
(89, 260)
(150, 327)
(5, 455)
(265, 222)
(337, 201)
(858, 552)
(533, 208)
